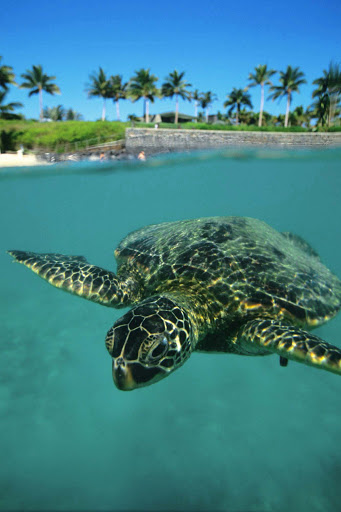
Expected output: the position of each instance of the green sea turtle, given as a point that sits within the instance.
(219, 284)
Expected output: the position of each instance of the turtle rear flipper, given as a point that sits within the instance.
(75, 275)
(289, 342)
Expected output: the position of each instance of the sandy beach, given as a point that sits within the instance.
(15, 160)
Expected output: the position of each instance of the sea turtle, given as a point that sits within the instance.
(219, 284)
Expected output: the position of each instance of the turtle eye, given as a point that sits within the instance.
(159, 349)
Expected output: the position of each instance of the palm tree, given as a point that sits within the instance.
(117, 91)
(334, 89)
(329, 90)
(176, 86)
(206, 99)
(38, 82)
(320, 109)
(7, 111)
(235, 99)
(6, 76)
(261, 77)
(99, 86)
(278, 120)
(55, 113)
(290, 81)
(248, 117)
(142, 85)
(300, 117)
(46, 113)
(196, 96)
(72, 115)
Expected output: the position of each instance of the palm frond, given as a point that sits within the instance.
(7, 76)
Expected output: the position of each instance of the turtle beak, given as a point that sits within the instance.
(122, 375)
(132, 375)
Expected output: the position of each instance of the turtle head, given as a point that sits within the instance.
(149, 342)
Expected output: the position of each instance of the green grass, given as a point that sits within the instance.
(59, 136)
(244, 127)
(241, 127)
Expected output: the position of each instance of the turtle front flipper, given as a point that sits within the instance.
(75, 275)
(289, 342)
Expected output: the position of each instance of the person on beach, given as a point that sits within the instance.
(141, 155)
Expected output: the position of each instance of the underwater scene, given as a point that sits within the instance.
(223, 432)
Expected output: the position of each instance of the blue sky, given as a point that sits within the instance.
(217, 43)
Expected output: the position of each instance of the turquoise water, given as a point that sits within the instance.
(221, 433)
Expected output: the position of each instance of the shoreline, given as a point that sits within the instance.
(15, 160)
(10, 160)
(160, 141)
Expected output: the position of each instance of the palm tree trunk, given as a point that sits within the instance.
(103, 110)
(237, 113)
(176, 109)
(206, 114)
(117, 110)
(40, 103)
(332, 108)
(287, 110)
(196, 111)
(329, 114)
(147, 110)
(261, 105)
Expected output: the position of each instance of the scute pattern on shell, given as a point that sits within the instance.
(232, 267)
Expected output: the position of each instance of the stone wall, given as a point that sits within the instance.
(162, 140)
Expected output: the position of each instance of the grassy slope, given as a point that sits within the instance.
(57, 136)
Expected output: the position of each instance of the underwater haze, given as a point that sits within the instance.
(221, 433)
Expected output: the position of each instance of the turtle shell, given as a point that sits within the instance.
(236, 266)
